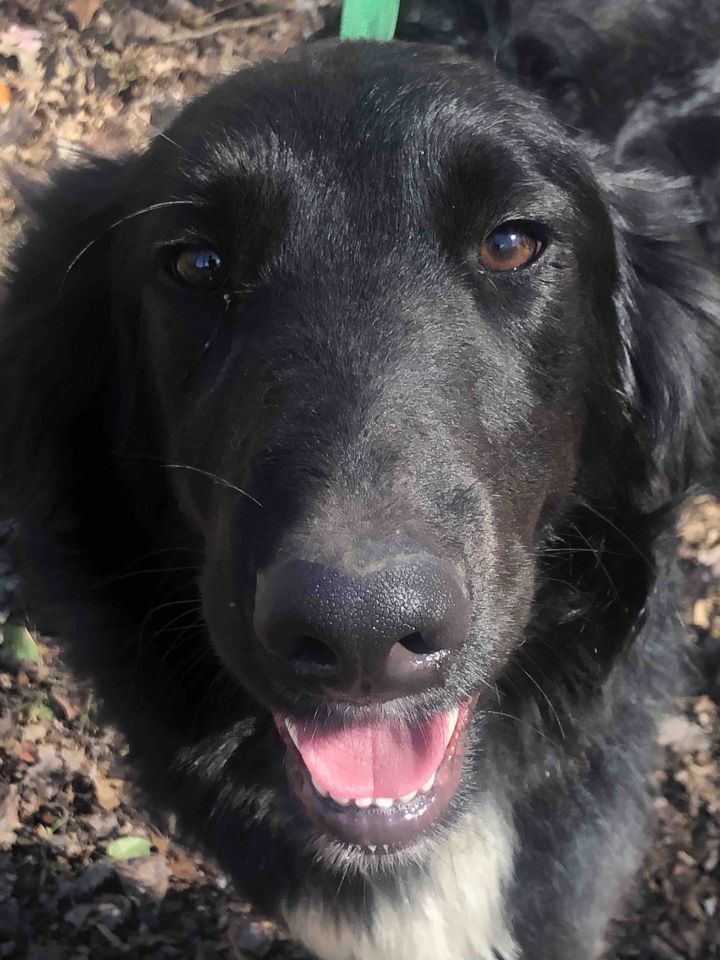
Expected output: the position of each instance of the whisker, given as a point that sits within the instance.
(146, 572)
(159, 132)
(525, 723)
(213, 476)
(118, 223)
(186, 466)
(547, 700)
(176, 643)
(629, 540)
(493, 688)
(195, 601)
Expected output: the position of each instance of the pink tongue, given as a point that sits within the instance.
(375, 760)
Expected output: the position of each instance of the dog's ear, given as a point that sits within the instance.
(668, 306)
(56, 340)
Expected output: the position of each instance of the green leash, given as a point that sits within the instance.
(369, 19)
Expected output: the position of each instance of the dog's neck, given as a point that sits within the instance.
(456, 908)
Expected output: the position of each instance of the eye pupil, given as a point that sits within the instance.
(199, 267)
(505, 244)
(207, 261)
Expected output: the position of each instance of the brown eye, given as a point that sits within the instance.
(511, 246)
(199, 267)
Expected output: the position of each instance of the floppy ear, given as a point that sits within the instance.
(668, 306)
(56, 340)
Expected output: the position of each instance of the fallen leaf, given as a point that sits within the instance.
(63, 705)
(75, 759)
(182, 867)
(84, 11)
(160, 842)
(27, 752)
(682, 735)
(108, 792)
(701, 613)
(40, 714)
(33, 732)
(129, 848)
(9, 814)
(18, 645)
(102, 824)
(709, 557)
(5, 97)
(130, 24)
(25, 44)
(149, 877)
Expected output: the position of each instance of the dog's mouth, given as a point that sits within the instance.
(378, 784)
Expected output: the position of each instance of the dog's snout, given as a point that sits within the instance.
(379, 630)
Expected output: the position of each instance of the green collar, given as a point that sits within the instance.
(369, 19)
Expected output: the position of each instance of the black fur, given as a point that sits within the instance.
(361, 371)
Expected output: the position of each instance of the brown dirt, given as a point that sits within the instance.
(103, 76)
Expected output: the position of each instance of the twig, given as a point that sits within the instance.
(222, 27)
(211, 14)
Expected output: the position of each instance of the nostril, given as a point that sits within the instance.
(418, 643)
(385, 627)
(310, 655)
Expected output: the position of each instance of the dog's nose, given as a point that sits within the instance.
(372, 631)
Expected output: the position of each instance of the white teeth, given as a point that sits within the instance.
(384, 803)
(452, 722)
(292, 731)
(428, 785)
(319, 789)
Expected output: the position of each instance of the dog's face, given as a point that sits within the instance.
(378, 308)
(385, 336)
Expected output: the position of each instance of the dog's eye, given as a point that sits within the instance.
(199, 267)
(510, 246)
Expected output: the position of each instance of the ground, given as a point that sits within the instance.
(103, 76)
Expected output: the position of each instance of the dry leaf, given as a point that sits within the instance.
(108, 792)
(75, 759)
(25, 43)
(682, 735)
(9, 814)
(160, 842)
(27, 752)
(149, 876)
(83, 11)
(68, 709)
(33, 732)
(701, 613)
(5, 97)
(182, 867)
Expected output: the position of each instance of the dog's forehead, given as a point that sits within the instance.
(366, 101)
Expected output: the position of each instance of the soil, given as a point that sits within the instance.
(103, 76)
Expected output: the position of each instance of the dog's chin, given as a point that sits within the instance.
(367, 808)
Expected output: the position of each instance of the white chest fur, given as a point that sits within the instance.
(456, 912)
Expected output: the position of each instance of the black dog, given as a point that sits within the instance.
(345, 429)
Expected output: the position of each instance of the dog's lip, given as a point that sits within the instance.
(380, 825)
